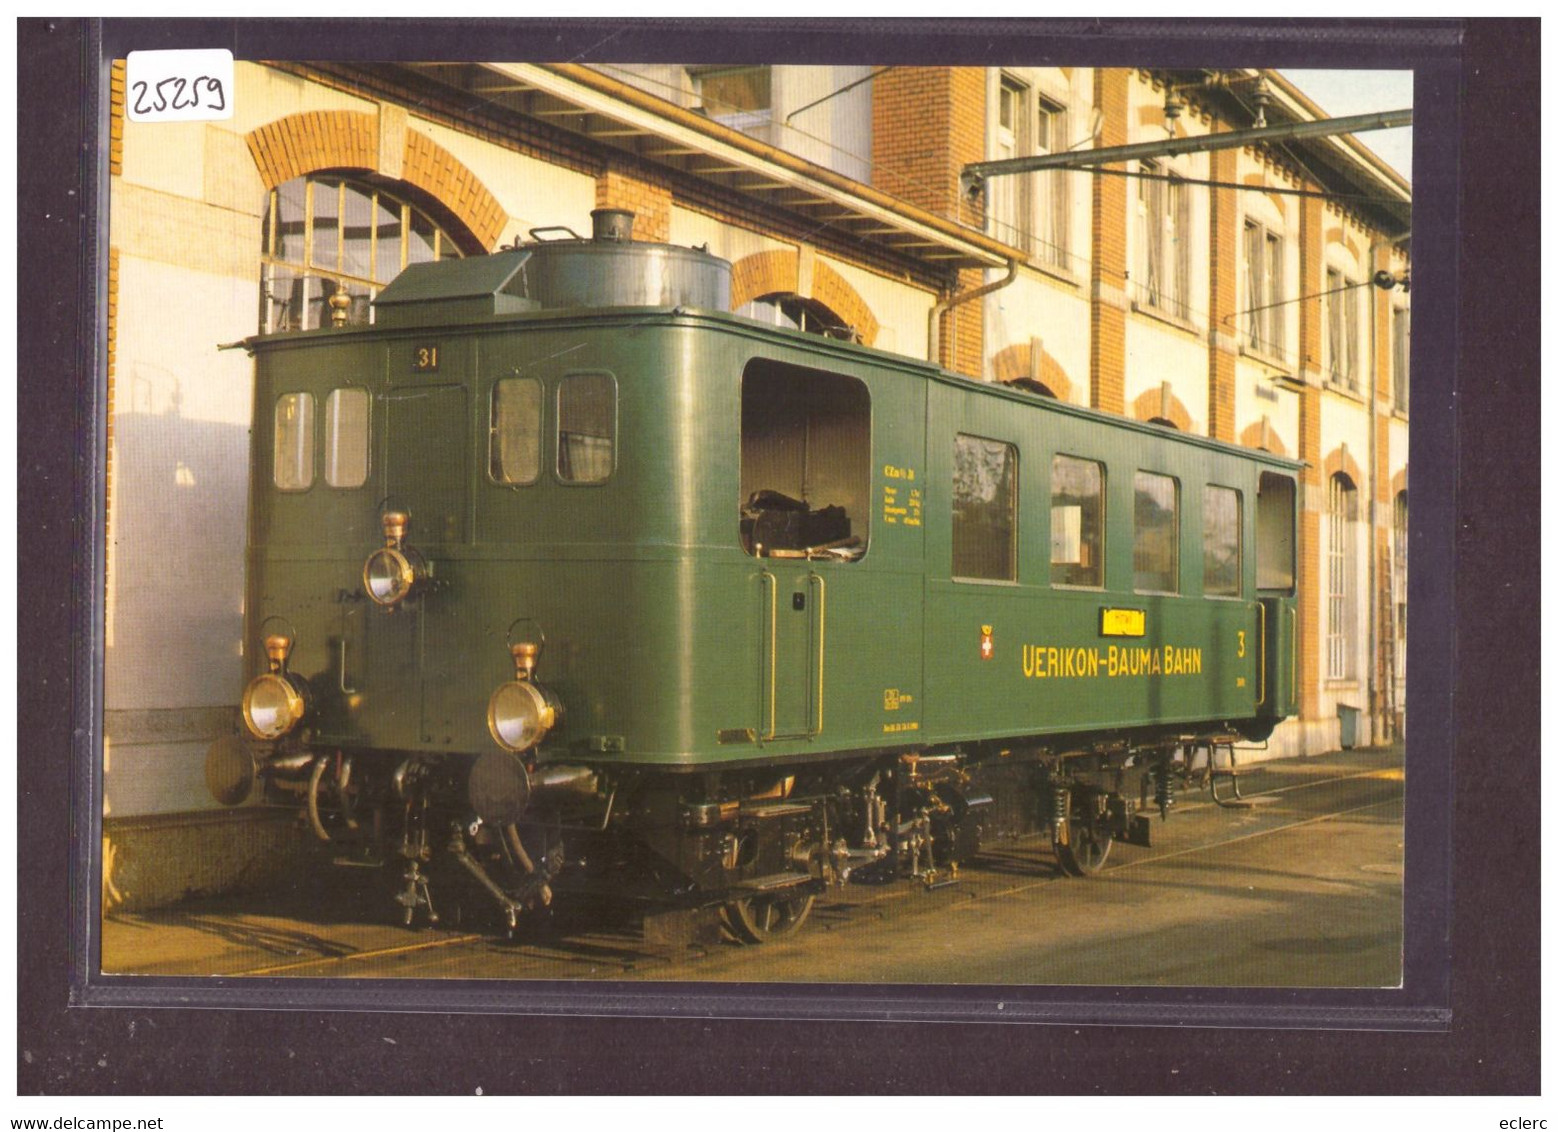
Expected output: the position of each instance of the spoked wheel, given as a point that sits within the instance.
(758, 919)
(1087, 851)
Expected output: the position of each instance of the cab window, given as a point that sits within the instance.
(346, 437)
(586, 427)
(1274, 533)
(806, 465)
(293, 455)
(514, 437)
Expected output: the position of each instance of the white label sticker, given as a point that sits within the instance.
(179, 86)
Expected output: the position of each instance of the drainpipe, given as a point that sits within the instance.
(958, 300)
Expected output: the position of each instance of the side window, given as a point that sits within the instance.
(1157, 533)
(293, 457)
(1076, 522)
(806, 465)
(346, 437)
(1274, 528)
(984, 509)
(586, 427)
(514, 434)
(1222, 514)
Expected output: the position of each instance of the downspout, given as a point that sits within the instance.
(941, 308)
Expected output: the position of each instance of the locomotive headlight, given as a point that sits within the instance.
(388, 575)
(520, 714)
(276, 702)
(393, 571)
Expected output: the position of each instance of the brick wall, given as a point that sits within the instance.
(643, 193)
(1106, 362)
(1223, 298)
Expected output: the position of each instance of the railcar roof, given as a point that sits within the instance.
(729, 322)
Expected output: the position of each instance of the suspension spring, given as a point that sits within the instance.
(1163, 779)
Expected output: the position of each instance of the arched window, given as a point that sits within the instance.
(1341, 585)
(326, 233)
(796, 312)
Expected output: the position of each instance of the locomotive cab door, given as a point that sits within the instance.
(805, 492)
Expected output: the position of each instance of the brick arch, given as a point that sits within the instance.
(1015, 363)
(1340, 461)
(779, 271)
(1398, 482)
(300, 144)
(1262, 435)
(1162, 403)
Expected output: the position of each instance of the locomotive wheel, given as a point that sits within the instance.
(758, 919)
(1086, 854)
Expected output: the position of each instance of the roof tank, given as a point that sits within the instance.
(610, 269)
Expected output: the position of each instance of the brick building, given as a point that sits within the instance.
(1226, 293)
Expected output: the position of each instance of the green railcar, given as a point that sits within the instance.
(563, 573)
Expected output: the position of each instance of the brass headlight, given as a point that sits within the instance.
(389, 575)
(520, 714)
(393, 571)
(273, 704)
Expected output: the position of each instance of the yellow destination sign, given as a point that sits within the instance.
(1124, 623)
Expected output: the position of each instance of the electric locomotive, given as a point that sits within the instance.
(564, 576)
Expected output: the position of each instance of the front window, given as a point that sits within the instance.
(1222, 541)
(1164, 208)
(1264, 312)
(320, 235)
(514, 446)
(1076, 522)
(346, 437)
(806, 466)
(586, 427)
(1341, 581)
(984, 509)
(293, 451)
(1157, 533)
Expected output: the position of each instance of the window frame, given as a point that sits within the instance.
(557, 429)
(1265, 266)
(311, 442)
(1342, 334)
(1176, 568)
(367, 436)
(492, 432)
(1341, 582)
(1014, 478)
(1238, 540)
(1401, 358)
(1102, 536)
(1164, 209)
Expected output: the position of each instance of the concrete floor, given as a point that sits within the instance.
(1301, 889)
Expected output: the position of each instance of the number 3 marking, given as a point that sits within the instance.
(1241, 642)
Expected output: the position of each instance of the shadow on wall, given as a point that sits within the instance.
(178, 526)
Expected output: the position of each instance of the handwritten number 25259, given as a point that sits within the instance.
(178, 94)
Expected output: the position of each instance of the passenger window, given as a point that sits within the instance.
(984, 509)
(586, 427)
(1157, 533)
(346, 437)
(806, 465)
(293, 457)
(1274, 546)
(1222, 533)
(514, 441)
(1076, 522)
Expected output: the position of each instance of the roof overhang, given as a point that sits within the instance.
(611, 113)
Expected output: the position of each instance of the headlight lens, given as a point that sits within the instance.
(388, 575)
(519, 715)
(273, 705)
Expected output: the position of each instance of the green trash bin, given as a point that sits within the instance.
(1349, 717)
